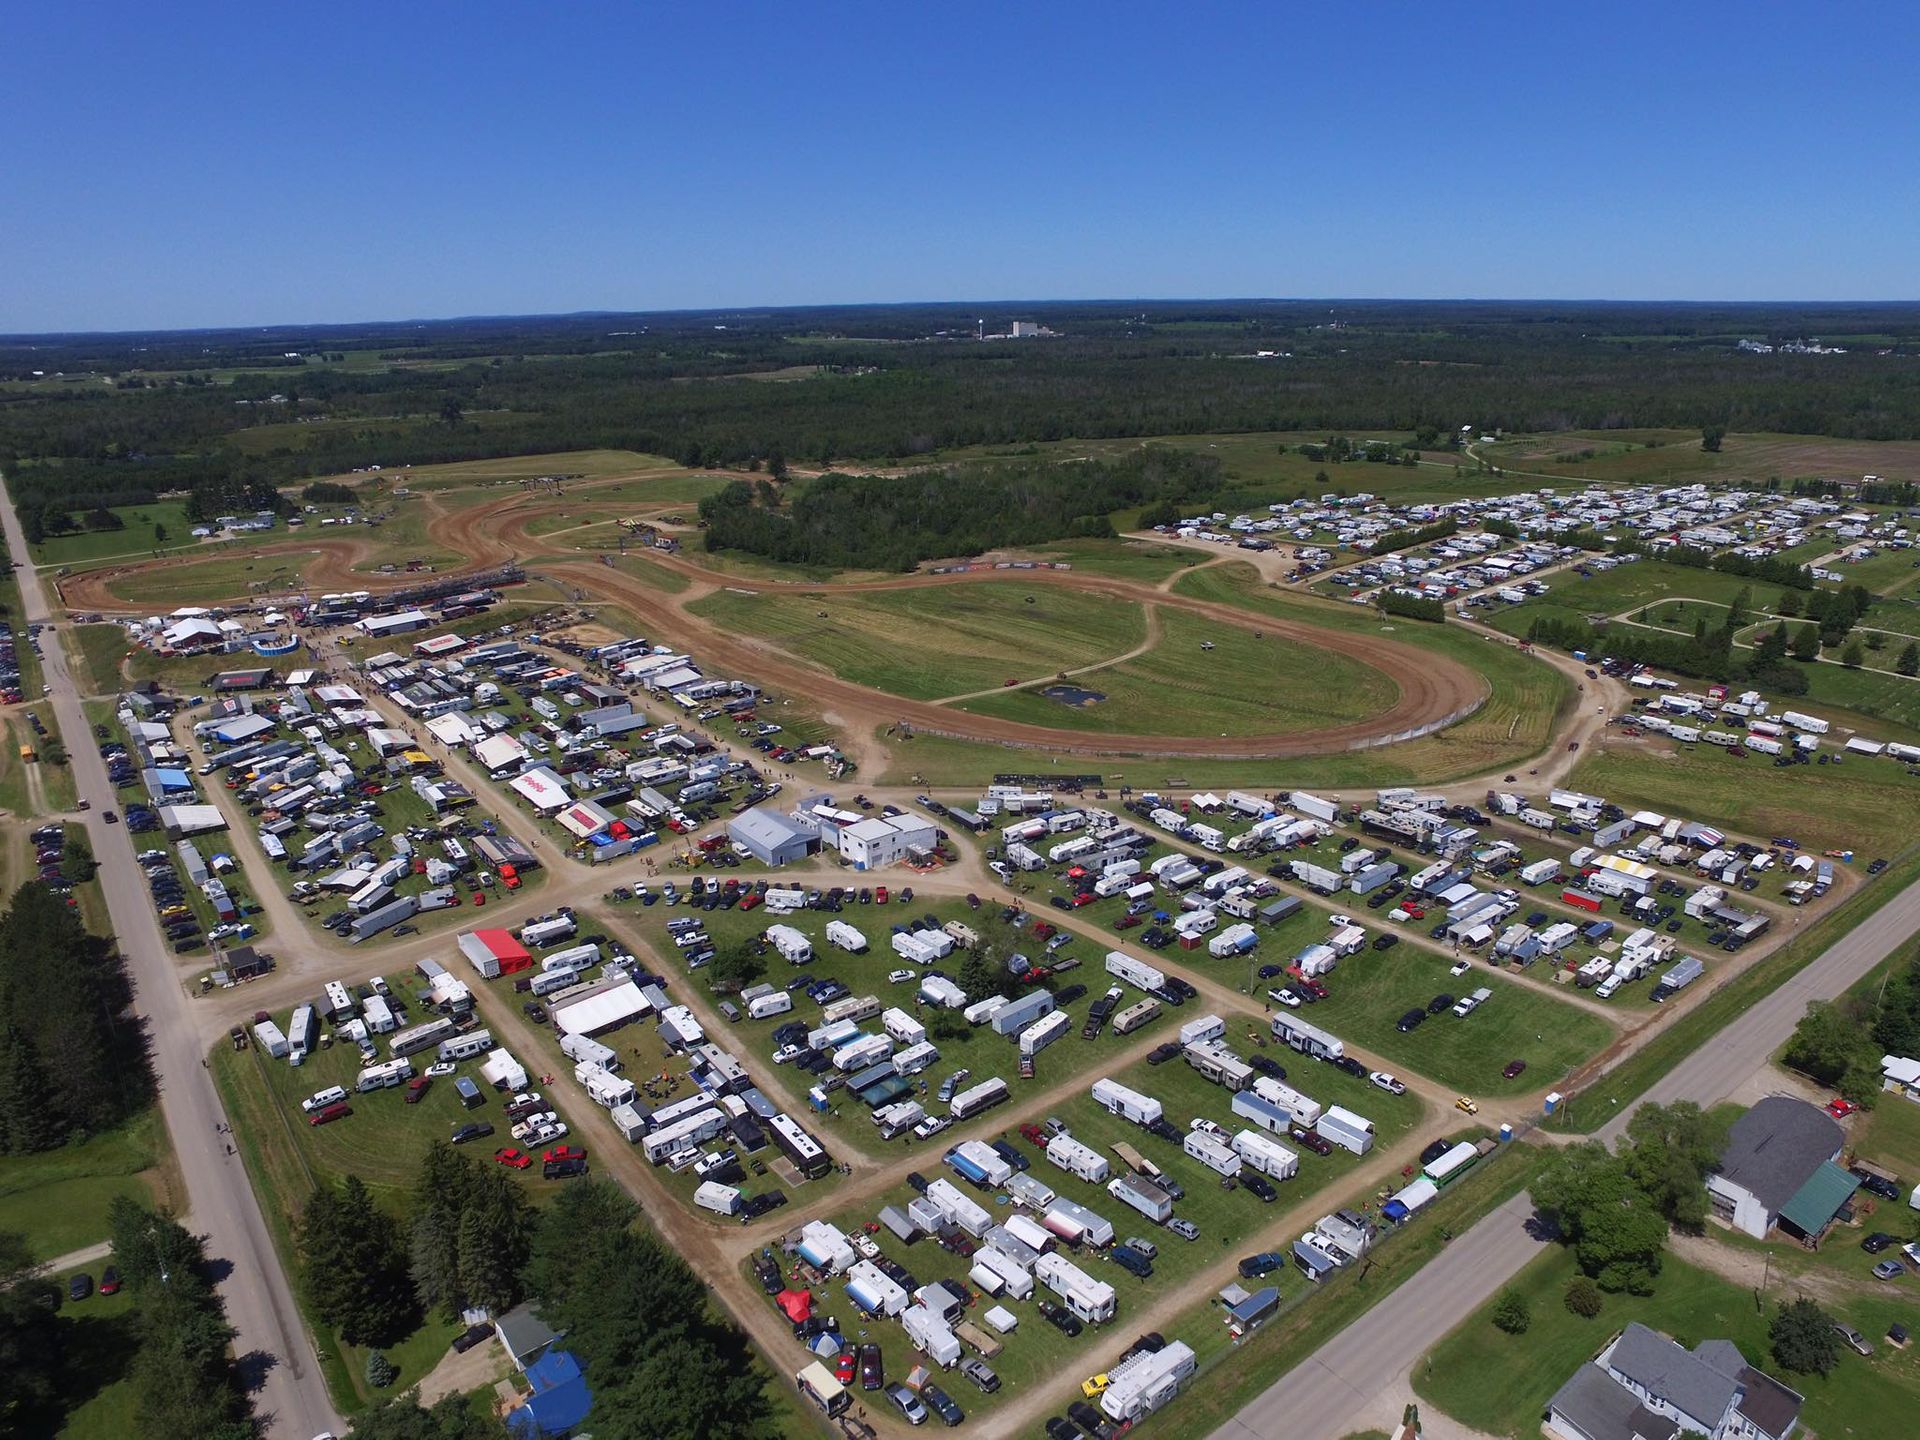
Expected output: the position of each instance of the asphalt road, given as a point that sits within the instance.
(1322, 1397)
(272, 1342)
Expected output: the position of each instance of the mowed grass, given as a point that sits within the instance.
(1371, 990)
(97, 1399)
(58, 1199)
(135, 538)
(1865, 805)
(1203, 679)
(1124, 559)
(938, 640)
(1626, 589)
(101, 649)
(381, 1142)
(203, 581)
(1500, 1383)
(1526, 696)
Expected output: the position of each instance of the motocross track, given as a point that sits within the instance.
(1431, 688)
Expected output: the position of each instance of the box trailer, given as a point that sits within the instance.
(1312, 805)
(1269, 1157)
(1346, 1129)
(1077, 1159)
(1141, 1194)
(1129, 1104)
(1215, 1154)
(721, 1199)
(271, 1040)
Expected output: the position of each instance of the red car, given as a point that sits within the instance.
(1126, 922)
(1315, 989)
(479, 897)
(1514, 1069)
(844, 1365)
(513, 1159)
(1840, 1108)
(880, 895)
(1415, 912)
(1085, 897)
(1034, 1135)
(564, 1152)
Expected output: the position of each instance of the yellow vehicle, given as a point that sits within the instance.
(1095, 1387)
(1463, 1103)
(26, 753)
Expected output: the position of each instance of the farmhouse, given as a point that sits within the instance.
(1778, 1168)
(1644, 1386)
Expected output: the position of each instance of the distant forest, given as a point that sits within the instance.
(893, 383)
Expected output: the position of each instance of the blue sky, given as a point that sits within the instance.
(212, 165)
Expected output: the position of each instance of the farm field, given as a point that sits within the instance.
(939, 640)
(1863, 806)
(1500, 1384)
(58, 1199)
(1242, 685)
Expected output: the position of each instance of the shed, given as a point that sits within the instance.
(1815, 1204)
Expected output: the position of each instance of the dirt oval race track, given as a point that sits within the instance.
(1432, 689)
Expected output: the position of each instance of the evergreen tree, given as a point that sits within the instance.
(354, 1265)
(1806, 643)
(31, 1344)
(1853, 657)
(1909, 661)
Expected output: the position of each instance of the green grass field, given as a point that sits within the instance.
(1626, 589)
(136, 538)
(1371, 990)
(584, 464)
(58, 1199)
(233, 573)
(97, 1399)
(100, 649)
(939, 640)
(1500, 1383)
(1243, 685)
(1864, 805)
(1528, 696)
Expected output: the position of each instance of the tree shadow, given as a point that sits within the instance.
(253, 1368)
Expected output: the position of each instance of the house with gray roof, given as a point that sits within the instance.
(1776, 1151)
(1644, 1386)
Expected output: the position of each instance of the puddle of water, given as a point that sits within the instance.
(1073, 695)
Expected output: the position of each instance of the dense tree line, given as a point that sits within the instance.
(355, 1266)
(1412, 607)
(662, 1364)
(1613, 1207)
(183, 1378)
(668, 384)
(1417, 535)
(1840, 1042)
(1706, 655)
(470, 1230)
(72, 1062)
(893, 523)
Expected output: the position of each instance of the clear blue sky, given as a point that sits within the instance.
(223, 164)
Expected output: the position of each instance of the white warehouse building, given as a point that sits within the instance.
(879, 841)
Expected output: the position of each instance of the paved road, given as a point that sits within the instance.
(1322, 1397)
(272, 1343)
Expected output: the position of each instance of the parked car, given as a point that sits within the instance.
(1514, 1069)
(871, 1374)
(80, 1286)
(1382, 1080)
(1889, 1270)
(1265, 1263)
(109, 1281)
(477, 1130)
(942, 1404)
(1852, 1338)
(1878, 1241)
(908, 1403)
(981, 1374)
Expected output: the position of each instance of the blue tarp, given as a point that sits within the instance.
(559, 1400)
(173, 780)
